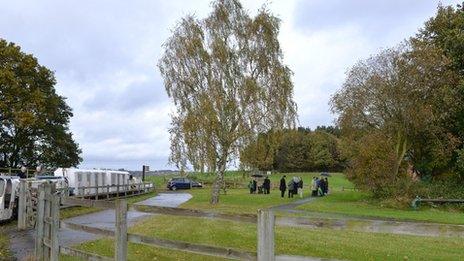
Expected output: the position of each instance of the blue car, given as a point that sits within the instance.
(182, 183)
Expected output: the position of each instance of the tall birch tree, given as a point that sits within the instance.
(226, 77)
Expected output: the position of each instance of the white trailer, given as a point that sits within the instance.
(84, 181)
(9, 189)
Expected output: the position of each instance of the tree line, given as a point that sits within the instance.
(294, 150)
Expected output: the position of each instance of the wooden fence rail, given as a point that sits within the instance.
(165, 243)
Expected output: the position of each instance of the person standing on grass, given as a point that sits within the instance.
(255, 185)
(267, 185)
(326, 186)
(291, 188)
(250, 186)
(321, 186)
(283, 186)
(300, 187)
(314, 187)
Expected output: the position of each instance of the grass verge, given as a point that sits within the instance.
(323, 243)
(354, 203)
(138, 252)
(5, 253)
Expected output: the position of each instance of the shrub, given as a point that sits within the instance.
(371, 167)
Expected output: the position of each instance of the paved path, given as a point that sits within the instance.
(166, 200)
(22, 242)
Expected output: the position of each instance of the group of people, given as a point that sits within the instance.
(319, 186)
(22, 174)
(294, 186)
(264, 188)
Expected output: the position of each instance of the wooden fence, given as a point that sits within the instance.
(266, 220)
(29, 197)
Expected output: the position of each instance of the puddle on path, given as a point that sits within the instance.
(167, 200)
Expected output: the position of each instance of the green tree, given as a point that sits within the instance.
(445, 31)
(398, 92)
(260, 153)
(294, 150)
(226, 77)
(33, 118)
(324, 151)
(293, 154)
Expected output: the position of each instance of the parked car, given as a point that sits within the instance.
(183, 183)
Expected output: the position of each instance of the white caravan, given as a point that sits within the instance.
(9, 189)
(82, 181)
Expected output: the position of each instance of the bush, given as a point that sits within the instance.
(460, 164)
(450, 188)
(371, 167)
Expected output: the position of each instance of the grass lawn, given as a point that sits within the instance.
(339, 244)
(352, 203)
(236, 200)
(241, 201)
(138, 252)
(356, 203)
(294, 241)
(4, 244)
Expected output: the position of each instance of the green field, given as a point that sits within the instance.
(358, 204)
(293, 241)
(137, 252)
(347, 202)
(4, 244)
(339, 244)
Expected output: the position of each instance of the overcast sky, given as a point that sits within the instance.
(104, 54)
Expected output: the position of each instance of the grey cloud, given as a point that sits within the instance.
(376, 19)
(132, 98)
(134, 164)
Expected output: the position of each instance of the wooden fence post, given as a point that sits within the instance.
(54, 228)
(121, 231)
(40, 223)
(22, 208)
(266, 222)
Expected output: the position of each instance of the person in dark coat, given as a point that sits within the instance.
(267, 185)
(291, 188)
(250, 186)
(283, 186)
(321, 187)
(300, 188)
(22, 173)
(314, 187)
(255, 186)
(326, 186)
